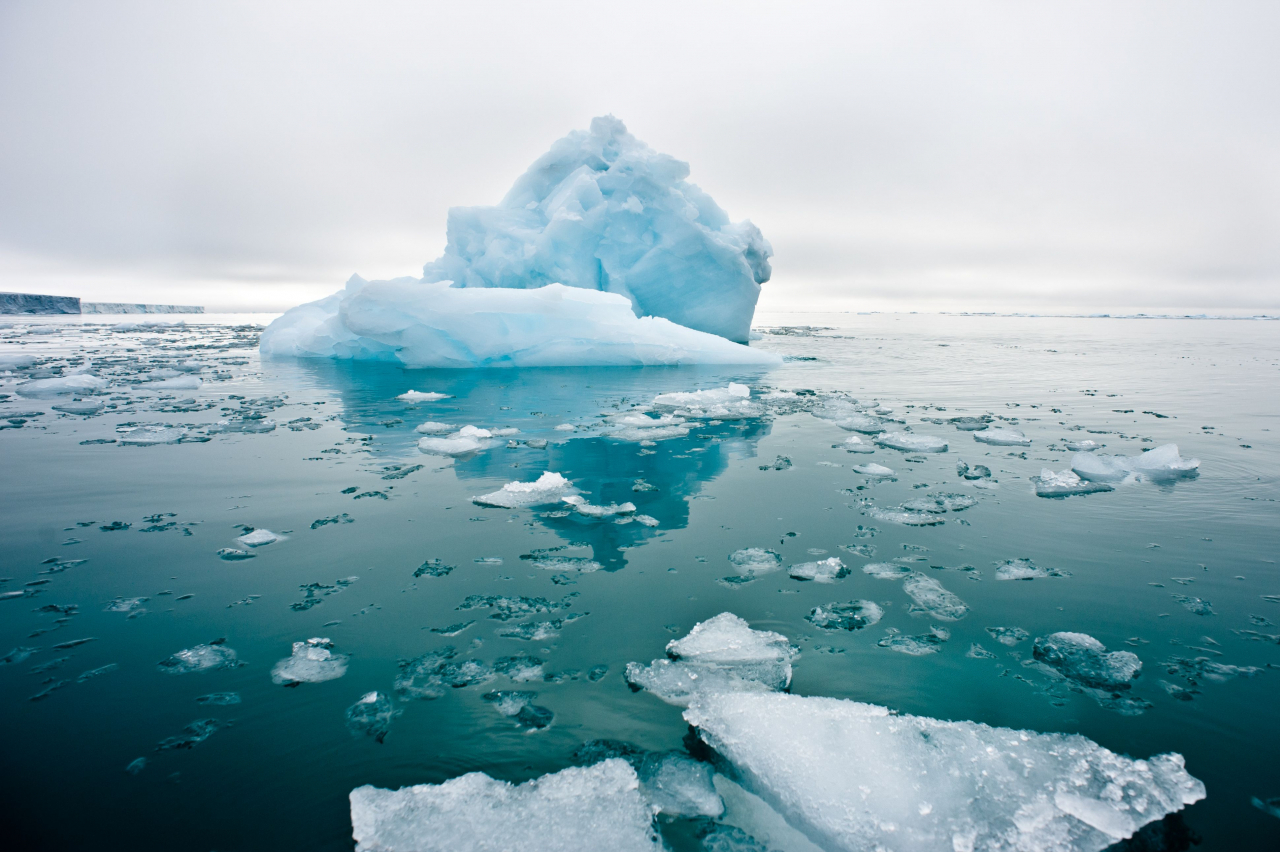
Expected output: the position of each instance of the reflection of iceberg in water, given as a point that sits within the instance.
(605, 470)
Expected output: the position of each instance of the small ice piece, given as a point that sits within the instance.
(423, 396)
(259, 538)
(125, 604)
(580, 808)
(80, 406)
(231, 554)
(721, 653)
(371, 716)
(10, 361)
(582, 507)
(873, 469)
(520, 667)
(17, 655)
(728, 403)
(634, 426)
(855, 444)
(932, 599)
(149, 436)
(823, 571)
(76, 383)
(1085, 660)
(433, 428)
(1267, 806)
(312, 661)
(856, 776)
(1002, 437)
(755, 561)
(178, 383)
(917, 646)
(1065, 483)
(977, 652)
(902, 516)
(467, 440)
(849, 417)
(970, 424)
(1025, 569)
(1008, 635)
(550, 487)
(1086, 446)
(679, 785)
(518, 705)
(1193, 604)
(853, 615)
(220, 699)
(430, 676)
(201, 658)
(192, 735)
(1161, 463)
(909, 442)
(886, 570)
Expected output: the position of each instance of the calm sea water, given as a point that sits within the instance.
(1177, 571)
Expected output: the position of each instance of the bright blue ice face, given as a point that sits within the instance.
(603, 211)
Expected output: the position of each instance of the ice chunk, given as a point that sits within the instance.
(77, 383)
(550, 487)
(435, 325)
(426, 677)
(721, 653)
(1065, 483)
(1002, 437)
(595, 807)
(901, 516)
(932, 599)
(970, 424)
(192, 735)
(823, 571)
(312, 661)
(582, 507)
(916, 646)
(853, 615)
(371, 716)
(1161, 463)
(518, 705)
(433, 428)
(886, 570)
(423, 396)
(856, 776)
(755, 561)
(1025, 569)
(1081, 446)
(873, 469)
(1008, 635)
(10, 361)
(80, 406)
(1085, 660)
(727, 403)
(168, 384)
(855, 444)
(849, 417)
(259, 538)
(679, 785)
(220, 699)
(467, 440)
(201, 658)
(909, 442)
(148, 436)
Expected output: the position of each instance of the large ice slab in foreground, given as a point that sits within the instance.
(434, 325)
(596, 807)
(603, 211)
(855, 776)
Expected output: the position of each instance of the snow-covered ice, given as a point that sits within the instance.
(469, 439)
(1002, 437)
(855, 444)
(909, 442)
(594, 807)
(423, 396)
(580, 505)
(727, 403)
(856, 776)
(755, 561)
(550, 487)
(80, 406)
(433, 428)
(312, 661)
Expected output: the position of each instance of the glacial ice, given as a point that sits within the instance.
(719, 654)
(1065, 483)
(1161, 463)
(909, 442)
(77, 383)
(594, 807)
(312, 661)
(727, 403)
(1002, 437)
(856, 776)
(550, 487)
(823, 571)
(1085, 660)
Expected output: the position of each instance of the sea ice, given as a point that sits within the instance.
(856, 776)
(932, 599)
(80, 406)
(849, 417)
(755, 561)
(77, 383)
(371, 716)
(1025, 569)
(1002, 437)
(853, 615)
(823, 571)
(433, 428)
(423, 396)
(427, 677)
(721, 653)
(550, 487)
(1085, 660)
(919, 645)
(1008, 635)
(873, 469)
(1081, 446)
(201, 658)
(148, 436)
(1161, 463)
(467, 440)
(909, 442)
(518, 705)
(595, 807)
(727, 403)
(855, 444)
(886, 570)
(582, 507)
(312, 661)
(259, 538)
(1065, 483)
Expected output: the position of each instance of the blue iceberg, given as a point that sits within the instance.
(601, 254)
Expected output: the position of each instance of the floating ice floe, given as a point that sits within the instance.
(901, 516)
(312, 661)
(1085, 446)
(371, 716)
(916, 646)
(1025, 569)
(433, 428)
(886, 570)
(176, 383)
(855, 776)
(637, 426)
(518, 705)
(201, 658)
(594, 807)
(939, 503)
(550, 487)
(259, 538)
(1002, 437)
(823, 571)
(909, 442)
(1085, 660)
(423, 396)
(1161, 463)
(433, 674)
(10, 361)
(580, 505)
(1065, 483)
(932, 599)
(855, 444)
(671, 782)
(849, 417)
(853, 615)
(467, 440)
(873, 469)
(77, 383)
(1008, 635)
(80, 406)
(755, 561)
(970, 424)
(721, 653)
(727, 403)
(149, 436)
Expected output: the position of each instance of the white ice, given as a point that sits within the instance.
(467, 440)
(147, 436)
(312, 661)
(594, 807)
(548, 488)
(259, 537)
(855, 444)
(855, 776)
(932, 599)
(727, 403)
(909, 442)
(79, 383)
(1065, 483)
(1161, 463)
(823, 571)
(755, 561)
(433, 428)
(423, 396)
(1002, 437)
(872, 469)
(580, 505)
(849, 416)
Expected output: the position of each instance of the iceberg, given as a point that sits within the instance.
(594, 807)
(601, 254)
(551, 487)
(856, 776)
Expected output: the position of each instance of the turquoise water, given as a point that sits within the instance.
(277, 770)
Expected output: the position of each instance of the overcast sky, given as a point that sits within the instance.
(918, 156)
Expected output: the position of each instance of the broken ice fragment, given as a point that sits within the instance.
(550, 487)
(1085, 660)
(1161, 463)
(231, 554)
(1002, 437)
(220, 699)
(1025, 569)
(755, 561)
(201, 658)
(916, 646)
(259, 538)
(582, 507)
(873, 469)
(909, 442)
(1065, 483)
(1008, 635)
(77, 383)
(932, 599)
(853, 615)
(371, 716)
(312, 661)
(422, 396)
(824, 571)
(192, 735)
